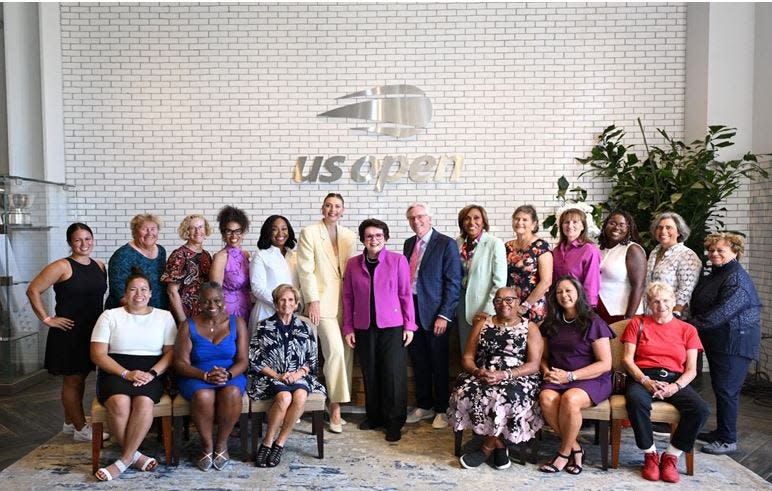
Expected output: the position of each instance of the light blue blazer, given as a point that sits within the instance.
(487, 273)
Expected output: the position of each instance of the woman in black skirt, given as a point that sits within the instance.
(79, 283)
(132, 345)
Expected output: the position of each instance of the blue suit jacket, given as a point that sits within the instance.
(438, 285)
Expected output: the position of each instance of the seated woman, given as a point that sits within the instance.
(576, 365)
(210, 359)
(660, 356)
(132, 345)
(282, 365)
(496, 394)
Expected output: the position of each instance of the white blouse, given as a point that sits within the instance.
(680, 268)
(135, 334)
(267, 270)
(614, 281)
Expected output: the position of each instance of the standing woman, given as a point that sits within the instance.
(188, 267)
(274, 263)
(230, 266)
(726, 311)
(529, 264)
(79, 286)
(622, 268)
(143, 252)
(379, 321)
(671, 261)
(484, 262)
(132, 346)
(576, 255)
(323, 249)
(576, 365)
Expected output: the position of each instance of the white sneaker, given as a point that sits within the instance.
(440, 421)
(418, 414)
(84, 434)
(68, 428)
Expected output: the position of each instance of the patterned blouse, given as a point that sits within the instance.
(190, 270)
(283, 349)
(523, 274)
(679, 267)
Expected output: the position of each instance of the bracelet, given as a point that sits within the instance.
(515, 372)
(678, 385)
(123, 374)
(677, 315)
(644, 379)
(507, 375)
(571, 377)
(206, 376)
(526, 304)
(230, 374)
(153, 372)
(47, 319)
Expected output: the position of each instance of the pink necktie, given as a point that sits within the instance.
(414, 259)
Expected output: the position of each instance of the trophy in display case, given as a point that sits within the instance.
(19, 215)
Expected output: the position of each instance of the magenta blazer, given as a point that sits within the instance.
(393, 295)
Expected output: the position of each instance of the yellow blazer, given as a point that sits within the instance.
(319, 271)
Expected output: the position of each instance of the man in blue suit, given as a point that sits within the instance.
(435, 270)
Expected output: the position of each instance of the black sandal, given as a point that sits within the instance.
(572, 467)
(550, 468)
(262, 456)
(274, 458)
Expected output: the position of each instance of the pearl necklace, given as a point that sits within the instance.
(567, 321)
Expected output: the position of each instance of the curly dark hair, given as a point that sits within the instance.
(555, 312)
(264, 242)
(632, 229)
(373, 222)
(232, 214)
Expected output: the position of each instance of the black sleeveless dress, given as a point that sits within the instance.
(79, 298)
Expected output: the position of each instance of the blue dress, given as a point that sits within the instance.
(204, 355)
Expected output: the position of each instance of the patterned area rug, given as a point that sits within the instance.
(357, 459)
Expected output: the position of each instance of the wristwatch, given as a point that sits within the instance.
(230, 374)
(153, 372)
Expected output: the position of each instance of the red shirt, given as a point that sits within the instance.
(661, 345)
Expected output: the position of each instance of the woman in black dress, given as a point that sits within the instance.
(79, 285)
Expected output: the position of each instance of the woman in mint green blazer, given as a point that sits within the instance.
(484, 261)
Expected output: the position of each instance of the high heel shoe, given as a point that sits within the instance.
(551, 468)
(573, 467)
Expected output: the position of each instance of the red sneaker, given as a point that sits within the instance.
(668, 467)
(650, 466)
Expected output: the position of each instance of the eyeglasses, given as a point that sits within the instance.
(374, 236)
(234, 231)
(500, 300)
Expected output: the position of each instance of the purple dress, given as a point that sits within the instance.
(570, 350)
(235, 284)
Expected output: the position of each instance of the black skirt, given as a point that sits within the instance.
(109, 384)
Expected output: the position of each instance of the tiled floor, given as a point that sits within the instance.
(34, 415)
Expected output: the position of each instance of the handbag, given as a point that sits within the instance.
(619, 377)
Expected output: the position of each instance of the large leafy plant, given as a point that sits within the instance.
(688, 179)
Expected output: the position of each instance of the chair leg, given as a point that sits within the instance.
(458, 435)
(535, 446)
(166, 426)
(256, 431)
(96, 446)
(602, 431)
(176, 439)
(690, 463)
(318, 424)
(596, 441)
(244, 434)
(616, 437)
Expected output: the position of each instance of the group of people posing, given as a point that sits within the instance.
(532, 323)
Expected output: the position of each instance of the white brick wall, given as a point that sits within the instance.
(186, 107)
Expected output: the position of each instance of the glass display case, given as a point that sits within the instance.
(33, 223)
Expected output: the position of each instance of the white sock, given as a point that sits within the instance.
(674, 451)
(652, 449)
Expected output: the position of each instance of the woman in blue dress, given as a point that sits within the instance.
(210, 357)
(282, 365)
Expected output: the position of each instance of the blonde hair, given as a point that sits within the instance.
(658, 288)
(279, 291)
(140, 220)
(736, 242)
(182, 230)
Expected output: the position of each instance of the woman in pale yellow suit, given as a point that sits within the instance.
(323, 249)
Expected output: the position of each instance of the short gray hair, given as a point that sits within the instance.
(657, 288)
(279, 291)
(680, 223)
(418, 204)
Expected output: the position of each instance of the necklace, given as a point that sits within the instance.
(568, 321)
(371, 261)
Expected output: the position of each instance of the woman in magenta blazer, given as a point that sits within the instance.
(379, 330)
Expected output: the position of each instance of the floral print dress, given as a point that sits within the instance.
(509, 409)
(523, 274)
(190, 270)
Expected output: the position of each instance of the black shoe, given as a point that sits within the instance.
(393, 435)
(707, 436)
(262, 456)
(369, 424)
(501, 458)
(274, 458)
(472, 459)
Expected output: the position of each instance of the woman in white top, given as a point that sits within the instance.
(274, 264)
(622, 268)
(132, 345)
(671, 261)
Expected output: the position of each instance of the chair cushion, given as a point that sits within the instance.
(163, 408)
(661, 412)
(600, 412)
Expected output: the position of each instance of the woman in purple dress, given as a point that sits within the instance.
(576, 255)
(230, 266)
(576, 365)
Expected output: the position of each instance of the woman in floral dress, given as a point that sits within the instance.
(496, 395)
(529, 264)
